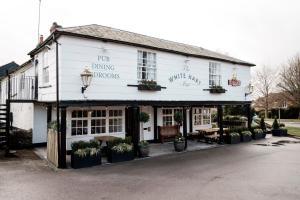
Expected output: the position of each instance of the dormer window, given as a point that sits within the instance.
(146, 66)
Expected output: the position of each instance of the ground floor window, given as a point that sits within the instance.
(115, 121)
(201, 116)
(79, 122)
(98, 121)
(168, 116)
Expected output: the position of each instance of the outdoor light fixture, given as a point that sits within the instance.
(249, 89)
(86, 78)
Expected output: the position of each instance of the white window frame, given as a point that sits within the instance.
(90, 118)
(146, 66)
(165, 115)
(113, 118)
(82, 119)
(101, 126)
(215, 77)
(202, 116)
(45, 73)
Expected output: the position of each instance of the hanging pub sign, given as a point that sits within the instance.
(234, 81)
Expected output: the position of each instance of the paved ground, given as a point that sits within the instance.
(244, 171)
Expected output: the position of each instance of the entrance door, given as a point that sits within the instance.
(147, 128)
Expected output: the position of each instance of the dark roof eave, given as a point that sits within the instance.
(59, 33)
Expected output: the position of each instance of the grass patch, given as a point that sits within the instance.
(293, 131)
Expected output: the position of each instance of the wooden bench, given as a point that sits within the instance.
(167, 132)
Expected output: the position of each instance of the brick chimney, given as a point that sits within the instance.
(41, 39)
(54, 27)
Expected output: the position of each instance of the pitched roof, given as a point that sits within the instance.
(105, 33)
(7, 67)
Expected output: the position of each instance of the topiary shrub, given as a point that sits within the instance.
(263, 124)
(275, 124)
(144, 117)
(178, 118)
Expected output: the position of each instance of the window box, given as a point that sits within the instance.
(114, 156)
(216, 89)
(85, 161)
(149, 85)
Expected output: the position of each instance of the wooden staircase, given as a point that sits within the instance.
(4, 127)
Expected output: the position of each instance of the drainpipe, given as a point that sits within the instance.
(57, 105)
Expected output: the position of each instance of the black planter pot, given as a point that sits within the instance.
(257, 136)
(234, 140)
(179, 146)
(87, 161)
(114, 156)
(144, 151)
(279, 132)
(264, 134)
(246, 138)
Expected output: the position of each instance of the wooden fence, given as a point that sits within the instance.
(52, 147)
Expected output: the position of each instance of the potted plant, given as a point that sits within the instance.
(246, 136)
(120, 152)
(257, 133)
(178, 118)
(144, 118)
(150, 85)
(144, 148)
(277, 130)
(234, 138)
(179, 143)
(85, 154)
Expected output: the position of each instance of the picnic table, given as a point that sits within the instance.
(209, 134)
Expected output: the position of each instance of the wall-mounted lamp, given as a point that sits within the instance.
(86, 78)
(249, 89)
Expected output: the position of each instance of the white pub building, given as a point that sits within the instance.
(101, 78)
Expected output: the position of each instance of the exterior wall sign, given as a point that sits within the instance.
(104, 69)
(186, 78)
(234, 81)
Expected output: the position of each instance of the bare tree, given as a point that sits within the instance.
(290, 80)
(264, 82)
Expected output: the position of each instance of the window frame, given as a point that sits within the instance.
(90, 117)
(146, 66)
(215, 76)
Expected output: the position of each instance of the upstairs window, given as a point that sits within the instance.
(46, 75)
(146, 66)
(22, 81)
(214, 74)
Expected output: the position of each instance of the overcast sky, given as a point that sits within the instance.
(265, 32)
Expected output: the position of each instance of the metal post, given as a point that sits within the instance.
(184, 127)
(62, 139)
(135, 124)
(249, 116)
(220, 123)
(8, 113)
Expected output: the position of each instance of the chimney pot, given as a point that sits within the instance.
(41, 39)
(54, 27)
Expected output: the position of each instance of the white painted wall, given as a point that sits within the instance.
(76, 54)
(22, 115)
(39, 134)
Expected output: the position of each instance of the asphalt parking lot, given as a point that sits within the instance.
(264, 169)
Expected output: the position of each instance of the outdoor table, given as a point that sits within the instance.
(105, 139)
